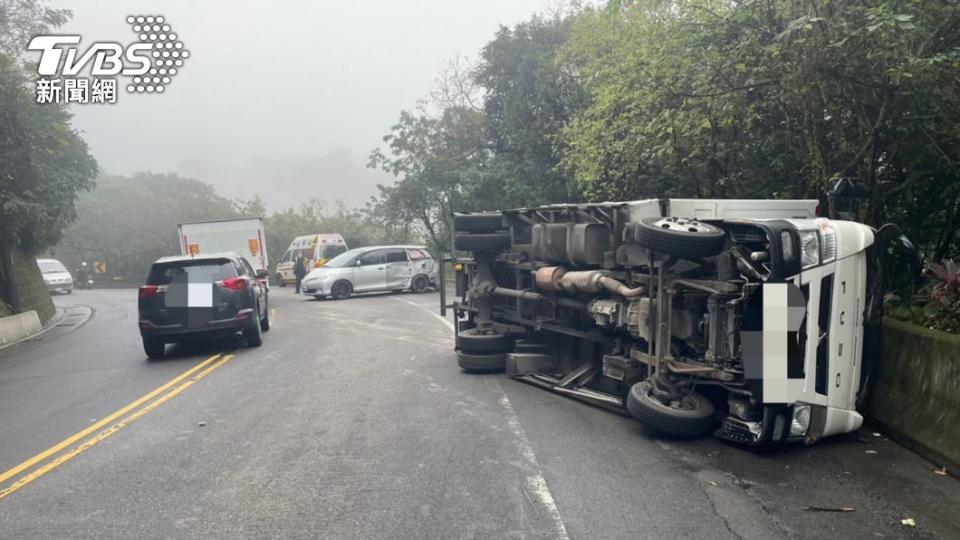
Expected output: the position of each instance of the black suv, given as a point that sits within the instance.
(202, 297)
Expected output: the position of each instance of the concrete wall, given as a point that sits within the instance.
(17, 327)
(917, 396)
(33, 292)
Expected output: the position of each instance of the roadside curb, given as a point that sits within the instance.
(51, 323)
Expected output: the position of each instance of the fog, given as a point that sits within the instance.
(281, 99)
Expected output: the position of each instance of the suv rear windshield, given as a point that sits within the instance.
(191, 272)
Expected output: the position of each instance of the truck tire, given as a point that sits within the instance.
(478, 223)
(680, 237)
(481, 363)
(694, 419)
(481, 242)
(419, 284)
(473, 341)
(280, 281)
(154, 348)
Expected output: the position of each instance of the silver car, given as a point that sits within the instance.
(55, 276)
(369, 269)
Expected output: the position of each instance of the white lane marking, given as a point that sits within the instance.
(436, 315)
(536, 484)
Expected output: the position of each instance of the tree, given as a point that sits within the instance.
(443, 165)
(44, 165)
(528, 98)
(773, 99)
(129, 222)
(20, 20)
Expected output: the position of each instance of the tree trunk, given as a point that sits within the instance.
(9, 289)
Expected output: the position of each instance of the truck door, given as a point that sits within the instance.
(399, 270)
(370, 273)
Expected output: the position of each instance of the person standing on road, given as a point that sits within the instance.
(299, 270)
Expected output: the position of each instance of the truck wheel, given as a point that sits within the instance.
(254, 335)
(692, 416)
(478, 223)
(280, 281)
(481, 242)
(686, 238)
(481, 363)
(419, 284)
(155, 348)
(473, 341)
(341, 290)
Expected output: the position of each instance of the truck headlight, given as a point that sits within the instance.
(801, 420)
(809, 249)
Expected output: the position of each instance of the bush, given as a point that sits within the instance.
(937, 303)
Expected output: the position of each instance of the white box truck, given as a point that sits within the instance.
(244, 236)
(742, 318)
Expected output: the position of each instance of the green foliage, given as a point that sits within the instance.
(357, 228)
(44, 165)
(773, 99)
(443, 165)
(20, 20)
(528, 99)
(937, 303)
(129, 222)
(500, 155)
(699, 98)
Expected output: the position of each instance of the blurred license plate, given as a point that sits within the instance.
(200, 295)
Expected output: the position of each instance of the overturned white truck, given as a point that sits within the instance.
(744, 318)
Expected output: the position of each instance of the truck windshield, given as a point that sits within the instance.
(330, 251)
(51, 267)
(191, 272)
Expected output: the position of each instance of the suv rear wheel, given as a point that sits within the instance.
(155, 348)
(265, 321)
(254, 334)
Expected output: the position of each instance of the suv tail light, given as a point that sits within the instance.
(234, 283)
(149, 291)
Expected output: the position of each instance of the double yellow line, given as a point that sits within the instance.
(116, 421)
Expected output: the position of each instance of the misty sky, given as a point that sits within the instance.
(284, 99)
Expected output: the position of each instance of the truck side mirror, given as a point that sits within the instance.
(262, 274)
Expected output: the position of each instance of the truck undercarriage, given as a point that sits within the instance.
(744, 318)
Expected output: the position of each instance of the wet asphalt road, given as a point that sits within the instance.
(352, 421)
